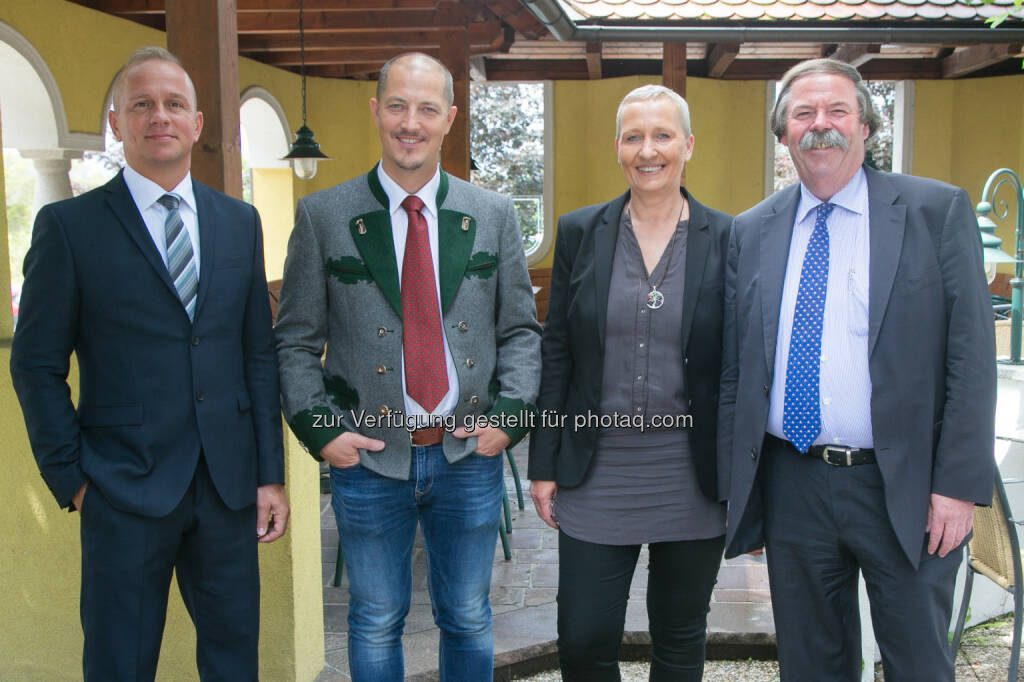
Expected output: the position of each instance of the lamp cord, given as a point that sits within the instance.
(302, 62)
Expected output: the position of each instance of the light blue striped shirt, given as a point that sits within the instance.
(845, 384)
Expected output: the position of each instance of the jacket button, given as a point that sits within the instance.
(686, 361)
(381, 369)
(200, 396)
(462, 326)
(381, 331)
(383, 409)
(195, 340)
(753, 453)
(470, 363)
(474, 400)
(766, 389)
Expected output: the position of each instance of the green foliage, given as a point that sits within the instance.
(19, 185)
(507, 145)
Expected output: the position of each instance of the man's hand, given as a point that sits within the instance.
(271, 512)
(543, 494)
(949, 522)
(490, 440)
(343, 451)
(76, 501)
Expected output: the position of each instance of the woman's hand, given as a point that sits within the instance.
(543, 494)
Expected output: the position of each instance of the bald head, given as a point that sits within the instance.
(145, 54)
(420, 61)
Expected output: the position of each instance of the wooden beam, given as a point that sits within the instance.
(455, 150)
(673, 67)
(480, 34)
(515, 14)
(202, 35)
(856, 54)
(379, 18)
(594, 61)
(720, 57)
(966, 60)
(356, 55)
(531, 70)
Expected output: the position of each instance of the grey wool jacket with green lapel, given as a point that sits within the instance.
(341, 291)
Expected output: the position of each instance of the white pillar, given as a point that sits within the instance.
(52, 181)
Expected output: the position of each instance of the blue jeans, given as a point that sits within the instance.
(458, 507)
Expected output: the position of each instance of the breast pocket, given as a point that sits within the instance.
(856, 305)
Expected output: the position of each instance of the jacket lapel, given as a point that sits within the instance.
(371, 233)
(456, 232)
(886, 224)
(207, 240)
(606, 235)
(697, 245)
(123, 206)
(776, 233)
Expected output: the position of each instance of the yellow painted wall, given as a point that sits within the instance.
(964, 130)
(728, 159)
(272, 196)
(6, 319)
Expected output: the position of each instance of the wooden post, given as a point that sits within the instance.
(673, 67)
(455, 55)
(203, 35)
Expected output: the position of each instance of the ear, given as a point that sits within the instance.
(198, 126)
(112, 123)
(373, 106)
(451, 118)
(688, 148)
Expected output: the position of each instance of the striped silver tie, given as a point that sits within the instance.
(180, 257)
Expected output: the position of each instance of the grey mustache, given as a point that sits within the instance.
(828, 138)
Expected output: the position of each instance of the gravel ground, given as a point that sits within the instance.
(984, 657)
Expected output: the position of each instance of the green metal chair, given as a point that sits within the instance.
(504, 528)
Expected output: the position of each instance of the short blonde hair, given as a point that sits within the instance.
(649, 92)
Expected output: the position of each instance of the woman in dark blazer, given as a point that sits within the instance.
(624, 453)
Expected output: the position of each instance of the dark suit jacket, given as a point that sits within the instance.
(931, 346)
(154, 388)
(574, 332)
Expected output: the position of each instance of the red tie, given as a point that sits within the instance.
(426, 377)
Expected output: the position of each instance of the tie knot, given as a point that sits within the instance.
(412, 204)
(824, 209)
(169, 201)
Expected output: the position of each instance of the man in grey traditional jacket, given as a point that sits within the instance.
(416, 283)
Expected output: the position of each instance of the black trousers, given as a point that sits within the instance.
(127, 561)
(822, 524)
(593, 590)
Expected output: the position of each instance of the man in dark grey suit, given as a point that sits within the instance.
(858, 391)
(173, 454)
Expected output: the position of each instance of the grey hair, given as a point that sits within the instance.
(145, 54)
(449, 85)
(868, 114)
(649, 92)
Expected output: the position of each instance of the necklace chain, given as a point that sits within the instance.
(655, 298)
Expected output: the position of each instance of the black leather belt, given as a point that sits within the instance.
(836, 455)
(842, 456)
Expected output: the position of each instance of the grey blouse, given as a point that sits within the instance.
(642, 486)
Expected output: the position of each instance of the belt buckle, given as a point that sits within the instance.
(829, 449)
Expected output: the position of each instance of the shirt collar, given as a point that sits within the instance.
(145, 192)
(396, 195)
(853, 197)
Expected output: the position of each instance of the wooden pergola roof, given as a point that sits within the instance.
(353, 38)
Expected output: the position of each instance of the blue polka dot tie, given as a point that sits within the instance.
(801, 414)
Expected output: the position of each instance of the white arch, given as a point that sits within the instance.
(266, 128)
(30, 92)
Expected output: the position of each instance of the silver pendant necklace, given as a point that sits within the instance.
(655, 298)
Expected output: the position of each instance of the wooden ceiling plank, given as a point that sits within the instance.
(967, 60)
(856, 54)
(480, 34)
(721, 57)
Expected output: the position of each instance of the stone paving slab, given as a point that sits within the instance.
(523, 599)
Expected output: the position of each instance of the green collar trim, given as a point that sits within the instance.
(381, 196)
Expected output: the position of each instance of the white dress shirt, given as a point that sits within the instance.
(844, 379)
(145, 193)
(399, 230)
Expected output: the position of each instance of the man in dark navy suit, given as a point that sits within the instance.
(174, 456)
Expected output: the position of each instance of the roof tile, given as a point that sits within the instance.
(900, 11)
(930, 11)
(961, 11)
(661, 10)
(750, 11)
(690, 11)
(779, 11)
(809, 11)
